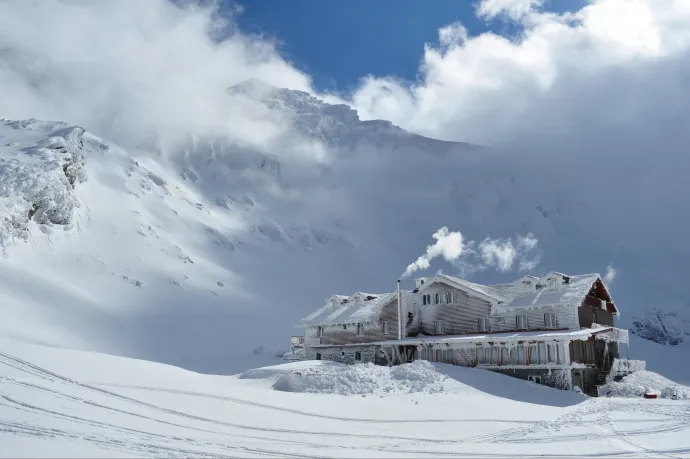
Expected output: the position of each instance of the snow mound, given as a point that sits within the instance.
(276, 371)
(365, 379)
(636, 384)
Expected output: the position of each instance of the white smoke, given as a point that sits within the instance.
(500, 254)
(610, 275)
(448, 244)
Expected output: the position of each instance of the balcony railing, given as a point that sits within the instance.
(623, 366)
(616, 334)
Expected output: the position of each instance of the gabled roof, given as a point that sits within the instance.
(517, 295)
(485, 292)
(357, 308)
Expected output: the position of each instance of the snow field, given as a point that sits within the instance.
(58, 403)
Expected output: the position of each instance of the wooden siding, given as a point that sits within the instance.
(458, 318)
(337, 335)
(582, 352)
(589, 315)
(566, 318)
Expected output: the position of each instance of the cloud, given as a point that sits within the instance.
(500, 254)
(610, 275)
(139, 72)
(491, 89)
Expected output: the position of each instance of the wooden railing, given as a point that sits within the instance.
(623, 366)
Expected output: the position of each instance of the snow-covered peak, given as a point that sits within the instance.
(337, 125)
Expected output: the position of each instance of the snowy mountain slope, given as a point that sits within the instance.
(205, 255)
(58, 403)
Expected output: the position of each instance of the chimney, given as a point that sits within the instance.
(420, 281)
(400, 314)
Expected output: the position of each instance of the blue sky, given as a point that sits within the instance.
(337, 43)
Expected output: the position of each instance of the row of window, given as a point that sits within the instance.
(385, 329)
(534, 354)
(521, 323)
(358, 356)
(441, 298)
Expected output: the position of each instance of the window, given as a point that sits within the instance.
(456, 298)
(384, 328)
(536, 379)
(438, 327)
(437, 298)
(483, 325)
(318, 356)
(521, 322)
(449, 298)
(549, 320)
(358, 356)
(344, 327)
(426, 299)
(319, 332)
(360, 329)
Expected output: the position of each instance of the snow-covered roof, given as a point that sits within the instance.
(357, 308)
(503, 337)
(485, 291)
(522, 293)
(572, 292)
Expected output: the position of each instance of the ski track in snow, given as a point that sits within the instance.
(206, 436)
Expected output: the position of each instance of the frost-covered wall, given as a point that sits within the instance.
(557, 378)
(345, 354)
(458, 317)
(346, 333)
(566, 317)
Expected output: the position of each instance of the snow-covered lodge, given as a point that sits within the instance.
(556, 330)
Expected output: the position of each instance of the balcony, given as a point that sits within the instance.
(622, 367)
(619, 335)
(297, 340)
